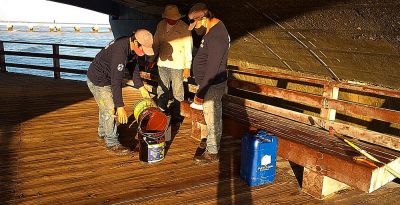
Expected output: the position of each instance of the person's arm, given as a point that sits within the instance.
(117, 67)
(188, 46)
(217, 49)
(156, 45)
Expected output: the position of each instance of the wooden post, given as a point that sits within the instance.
(320, 186)
(56, 61)
(330, 92)
(3, 68)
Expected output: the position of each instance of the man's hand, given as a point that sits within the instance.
(186, 73)
(197, 103)
(121, 114)
(150, 65)
(196, 106)
(144, 92)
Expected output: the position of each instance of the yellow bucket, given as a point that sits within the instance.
(141, 105)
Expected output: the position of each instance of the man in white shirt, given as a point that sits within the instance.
(173, 50)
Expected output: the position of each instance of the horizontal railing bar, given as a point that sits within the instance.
(47, 68)
(46, 55)
(74, 71)
(79, 58)
(370, 89)
(361, 88)
(377, 113)
(50, 44)
(277, 75)
(33, 67)
(271, 91)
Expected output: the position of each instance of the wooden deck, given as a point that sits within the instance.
(49, 154)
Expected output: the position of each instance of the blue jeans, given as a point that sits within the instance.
(107, 124)
(212, 111)
(166, 76)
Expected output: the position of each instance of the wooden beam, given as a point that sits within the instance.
(271, 91)
(385, 140)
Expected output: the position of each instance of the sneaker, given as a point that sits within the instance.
(203, 143)
(207, 158)
(119, 150)
(100, 138)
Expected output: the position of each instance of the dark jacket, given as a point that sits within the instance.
(209, 65)
(108, 68)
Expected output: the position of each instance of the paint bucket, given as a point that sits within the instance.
(151, 150)
(141, 105)
(153, 124)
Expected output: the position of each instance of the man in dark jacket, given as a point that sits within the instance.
(209, 69)
(105, 78)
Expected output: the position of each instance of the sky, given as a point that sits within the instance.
(47, 11)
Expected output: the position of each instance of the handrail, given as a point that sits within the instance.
(362, 88)
(55, 55)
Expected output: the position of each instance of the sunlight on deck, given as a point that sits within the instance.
(50, 155)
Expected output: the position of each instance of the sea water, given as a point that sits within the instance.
(42, 35)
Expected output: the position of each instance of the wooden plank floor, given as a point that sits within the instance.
(49, 155)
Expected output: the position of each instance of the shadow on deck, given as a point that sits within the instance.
(49, 154)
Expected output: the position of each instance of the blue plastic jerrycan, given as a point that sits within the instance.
(258, 158)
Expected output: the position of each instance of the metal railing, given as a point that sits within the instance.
(55, 56)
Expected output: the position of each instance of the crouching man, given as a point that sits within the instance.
(105, 79)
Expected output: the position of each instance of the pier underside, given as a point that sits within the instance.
(347, 40)
(49, 154)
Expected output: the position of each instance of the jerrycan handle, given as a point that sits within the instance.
(260, 134)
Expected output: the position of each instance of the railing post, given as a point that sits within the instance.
(330, 92)
(3, 68)
(56, 61)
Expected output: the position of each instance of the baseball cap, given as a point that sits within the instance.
(145, 38)
(197, 11)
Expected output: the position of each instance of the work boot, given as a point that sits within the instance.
(207, 158)
(119, 150)
(100, 138)
(200, 149)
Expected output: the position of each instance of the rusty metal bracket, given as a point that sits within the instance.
(325, 103)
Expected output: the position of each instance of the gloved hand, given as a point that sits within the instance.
(197, 103)
(144, 92)
(186, 73)
(196, 106)
(121, 114)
